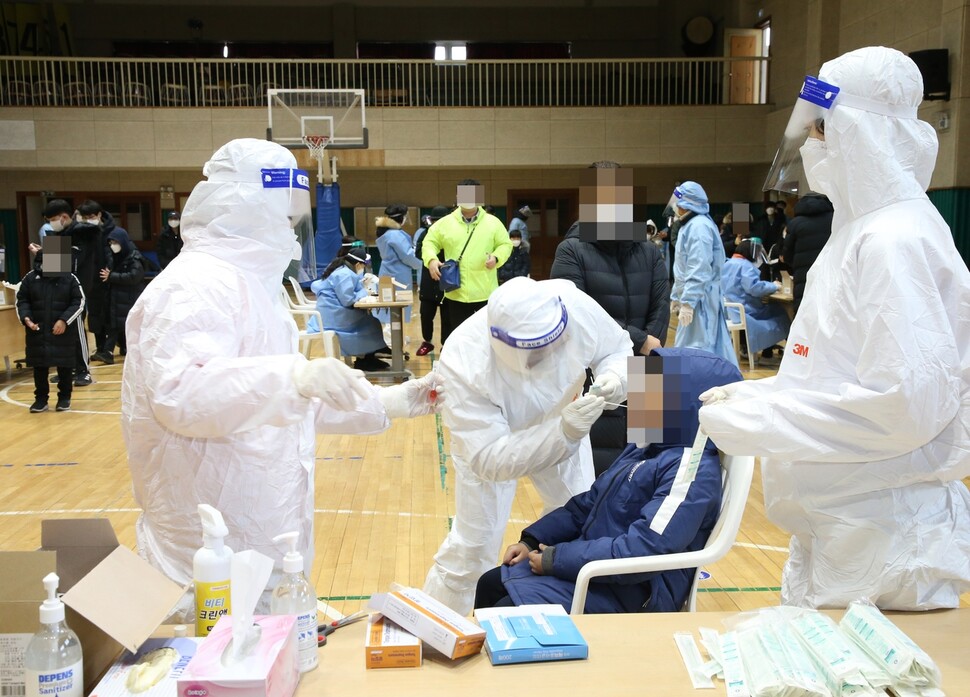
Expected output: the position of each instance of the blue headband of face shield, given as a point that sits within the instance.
(281, 178)
(537, 342)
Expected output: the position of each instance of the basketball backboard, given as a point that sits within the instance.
(337, 114)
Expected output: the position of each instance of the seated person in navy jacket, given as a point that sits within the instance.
(636, 508)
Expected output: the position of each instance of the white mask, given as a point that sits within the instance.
(174, 224)
(516, 243)
(56, 224)
(816, 171)
(770, 211)
(115, 247)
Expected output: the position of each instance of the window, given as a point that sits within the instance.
(450, 51)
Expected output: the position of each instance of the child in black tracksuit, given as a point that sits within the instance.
(49, 304)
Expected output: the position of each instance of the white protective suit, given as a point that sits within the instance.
(210, 413)
(866, 428)
(505, 421)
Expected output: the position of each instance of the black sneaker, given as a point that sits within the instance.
(63, 405)
(383, 352)
(103, 357)
(83, 379)
(38, 406)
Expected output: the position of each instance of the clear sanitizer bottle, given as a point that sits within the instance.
(52, 662)
(295, 596)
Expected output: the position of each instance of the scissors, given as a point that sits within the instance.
(326, 629)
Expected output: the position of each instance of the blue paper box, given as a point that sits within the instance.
(530, 633)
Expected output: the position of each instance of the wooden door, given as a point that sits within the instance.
(743, 78)
(553, 212)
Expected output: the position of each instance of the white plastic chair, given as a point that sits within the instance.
(736, 328)
(301, 299)
(736, 478)
(301, 315)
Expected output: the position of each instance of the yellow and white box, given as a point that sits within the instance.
(386, 645)
(441, 627)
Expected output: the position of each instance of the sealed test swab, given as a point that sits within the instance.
(692, 660)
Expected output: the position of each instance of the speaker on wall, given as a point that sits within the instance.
(934, 66)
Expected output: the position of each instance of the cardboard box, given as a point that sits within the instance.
(269, 670)
(114, 598)
(115, 681)
(443, 628)
(386, 645)
(530, 633)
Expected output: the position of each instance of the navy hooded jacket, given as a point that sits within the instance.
(613, 519)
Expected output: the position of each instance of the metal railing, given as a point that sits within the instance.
(140, 82)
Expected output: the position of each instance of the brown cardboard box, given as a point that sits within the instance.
(113, 597)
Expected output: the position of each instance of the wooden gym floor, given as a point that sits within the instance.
(383, 503)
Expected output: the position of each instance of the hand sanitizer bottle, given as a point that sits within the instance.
(52, 662)
(295, 596)
(211, 569)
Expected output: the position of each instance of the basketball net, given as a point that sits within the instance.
(317, 145)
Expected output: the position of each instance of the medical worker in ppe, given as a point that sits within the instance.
(766, 323)
(695, 298)
(866, 428)
(515, 372)
(218, 406)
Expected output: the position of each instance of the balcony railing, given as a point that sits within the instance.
(138, 82)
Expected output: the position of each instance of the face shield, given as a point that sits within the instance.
(813, 105)
(294, 185)
(526, 351)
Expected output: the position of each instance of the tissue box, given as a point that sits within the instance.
(268, 670)
(443, 628)
(115, 681)
(388, 646)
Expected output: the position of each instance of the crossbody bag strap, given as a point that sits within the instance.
(466, 243)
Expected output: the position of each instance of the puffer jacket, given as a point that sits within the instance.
(629, 281)
(808, 232)
(126, 280)
(46, 299)
(613, 519)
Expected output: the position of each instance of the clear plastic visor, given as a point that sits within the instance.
(807, 119)
(532, 356)
(294, 184)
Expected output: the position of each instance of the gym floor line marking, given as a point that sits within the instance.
(5, 396)
(328, 611)
(766, 548)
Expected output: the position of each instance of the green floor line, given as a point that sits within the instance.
(333, 598)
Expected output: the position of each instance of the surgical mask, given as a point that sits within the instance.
(817, 173)
(56, 224)
(115, 247)
(516, 243)
(770, 211)
(174, 224)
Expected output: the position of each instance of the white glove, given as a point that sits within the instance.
(370, 282)
(777, 286)
(413, 397)
(686, 316)
(674, 306)
(609, 387)
(718, 394)
(331, 381)
(579, 416)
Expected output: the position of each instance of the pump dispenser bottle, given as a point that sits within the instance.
(52, 662)
(211, 569)
(295, 596)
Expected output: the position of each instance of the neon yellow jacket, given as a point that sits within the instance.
(488, 236)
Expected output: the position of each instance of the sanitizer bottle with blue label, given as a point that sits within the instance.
(295, 596)
(52, 662)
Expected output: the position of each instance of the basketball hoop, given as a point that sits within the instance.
(316, 145)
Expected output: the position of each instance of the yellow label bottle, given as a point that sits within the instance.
(211, 603)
